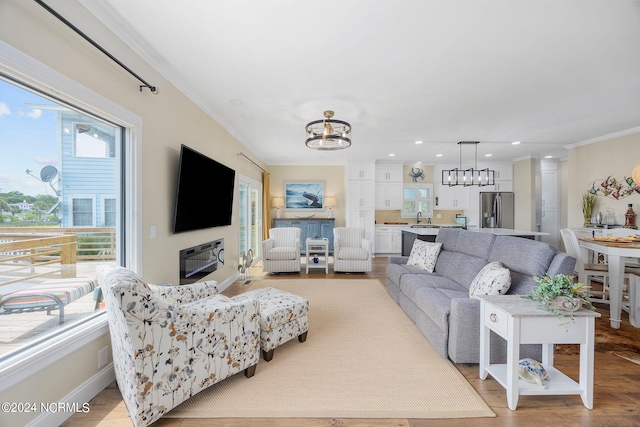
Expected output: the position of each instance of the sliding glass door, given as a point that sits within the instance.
(250, 218)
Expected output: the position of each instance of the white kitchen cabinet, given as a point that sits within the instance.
(361, 194)
(361, 171)
(456, 197)
(361, 198)
(363, 218)
(388, 240)
(388, 195)
(389, 186)
(389, 173)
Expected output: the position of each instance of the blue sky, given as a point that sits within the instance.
(28, 140)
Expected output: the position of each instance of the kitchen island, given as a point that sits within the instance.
(429, 232)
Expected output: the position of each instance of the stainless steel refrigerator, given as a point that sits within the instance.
(496, 210)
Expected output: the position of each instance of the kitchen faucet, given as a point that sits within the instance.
(418, 217)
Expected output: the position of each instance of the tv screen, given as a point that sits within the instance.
(204, 196)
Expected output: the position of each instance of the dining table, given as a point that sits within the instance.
(618, 254)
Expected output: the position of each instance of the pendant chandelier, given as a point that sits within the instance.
(470, 176)
(328, 133)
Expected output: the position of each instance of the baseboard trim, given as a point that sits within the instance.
(77, 400)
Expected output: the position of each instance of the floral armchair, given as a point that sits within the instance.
(171, 342)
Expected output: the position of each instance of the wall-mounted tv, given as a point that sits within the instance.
(204, 196)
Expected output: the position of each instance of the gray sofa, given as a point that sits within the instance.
(439, 302)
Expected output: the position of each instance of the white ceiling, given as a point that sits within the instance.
(546, 73)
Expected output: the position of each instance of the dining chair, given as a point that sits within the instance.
(587, 272)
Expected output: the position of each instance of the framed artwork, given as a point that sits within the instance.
(304, 196)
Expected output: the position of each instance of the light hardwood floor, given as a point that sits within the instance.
(616, 389)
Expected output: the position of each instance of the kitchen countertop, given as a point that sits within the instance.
(496, 231)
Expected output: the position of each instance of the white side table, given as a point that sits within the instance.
(521, 321)
(319, 247)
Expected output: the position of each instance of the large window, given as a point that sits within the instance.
(69, 199)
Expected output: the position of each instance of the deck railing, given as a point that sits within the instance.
(24, 257)
(30, 252)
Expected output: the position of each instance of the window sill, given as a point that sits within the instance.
(51, 349)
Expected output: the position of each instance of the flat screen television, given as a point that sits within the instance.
(204, 196)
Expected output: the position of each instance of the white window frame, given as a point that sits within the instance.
(74, 197)
(24, 68)
(103, 210)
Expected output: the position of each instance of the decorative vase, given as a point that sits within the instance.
(566, 303)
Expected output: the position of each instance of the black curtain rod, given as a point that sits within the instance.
(153, 89)
(257, 165)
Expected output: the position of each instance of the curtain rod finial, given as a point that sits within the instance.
(154, 90)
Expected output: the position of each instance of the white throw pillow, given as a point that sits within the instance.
(424, 255)
(493, 279)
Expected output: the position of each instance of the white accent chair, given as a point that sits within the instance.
(171, 342)
(281, 251)
(352, 253)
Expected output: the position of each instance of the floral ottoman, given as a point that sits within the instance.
(283, 316)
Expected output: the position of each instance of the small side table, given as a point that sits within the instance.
(318, 247)
(521, 321)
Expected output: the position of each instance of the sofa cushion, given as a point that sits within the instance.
(521, 284)
(493, 279)
(396, 271)
(411, 283)
(444, 260)
(525, 256)
(436, 305)
(448, 237)
(424, 255)
(475, 244)
(463, 268)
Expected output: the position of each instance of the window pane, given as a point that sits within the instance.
(82, 212)
(110, 212)
(94, 139)
(72, 162)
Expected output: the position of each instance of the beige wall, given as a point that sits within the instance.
(333, 177)
(615, 157)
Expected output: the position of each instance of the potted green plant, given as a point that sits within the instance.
(588, 205)
(560, 294)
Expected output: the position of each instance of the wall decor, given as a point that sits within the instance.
(304, 196)
(416, 173)
(613, 188)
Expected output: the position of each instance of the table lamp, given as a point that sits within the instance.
(277, 202)
(330, 203)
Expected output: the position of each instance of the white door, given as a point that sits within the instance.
(250, 217)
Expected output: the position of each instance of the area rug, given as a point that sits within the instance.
(363, 358)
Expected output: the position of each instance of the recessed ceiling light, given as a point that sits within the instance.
(488, 155)
(418, 163)
(438, 155)
(391, 155)
(548, 157)
(515, 143)
(419, 142)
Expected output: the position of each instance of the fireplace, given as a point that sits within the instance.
(199, 261)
